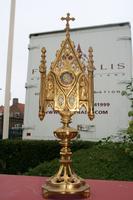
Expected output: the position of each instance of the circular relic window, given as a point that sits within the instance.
(66, 78)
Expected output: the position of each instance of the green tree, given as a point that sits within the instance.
(129, 94)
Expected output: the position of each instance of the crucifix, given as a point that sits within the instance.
(67, 18)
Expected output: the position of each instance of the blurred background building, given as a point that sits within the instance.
(15, 119)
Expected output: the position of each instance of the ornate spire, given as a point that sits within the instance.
(67, 18)
(79, 51)
(90, 61)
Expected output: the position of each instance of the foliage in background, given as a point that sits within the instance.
(17, 156)
(129, 94)
(128, 133)
(101, 161)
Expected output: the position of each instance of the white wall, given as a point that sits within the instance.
(112, 60)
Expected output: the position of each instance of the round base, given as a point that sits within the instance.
(80, 188)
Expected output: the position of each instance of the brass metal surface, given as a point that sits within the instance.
(66, 88)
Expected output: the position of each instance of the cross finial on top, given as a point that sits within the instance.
(67, 18)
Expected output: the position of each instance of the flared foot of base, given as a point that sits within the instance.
(52, 192)
(46, 195)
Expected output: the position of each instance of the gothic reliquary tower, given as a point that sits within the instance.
(66, 88)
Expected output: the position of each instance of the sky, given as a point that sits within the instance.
(33, 16)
